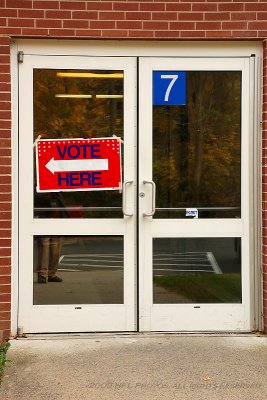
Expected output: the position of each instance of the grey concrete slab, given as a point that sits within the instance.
(140, 366)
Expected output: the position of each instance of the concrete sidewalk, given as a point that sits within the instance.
(142, 366)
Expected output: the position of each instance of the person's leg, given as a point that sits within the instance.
(43, 258)
(55, 253)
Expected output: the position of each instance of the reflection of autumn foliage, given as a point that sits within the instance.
(166, 172)
(198, 145)
(69, 117)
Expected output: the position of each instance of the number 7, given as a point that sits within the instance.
(169, 88)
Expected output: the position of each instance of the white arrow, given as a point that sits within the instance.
(100, 164)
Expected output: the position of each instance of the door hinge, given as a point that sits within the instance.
(20, 57)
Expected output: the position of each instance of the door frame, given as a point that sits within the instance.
(153, 49)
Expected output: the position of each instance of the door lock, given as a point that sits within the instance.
(142, 194)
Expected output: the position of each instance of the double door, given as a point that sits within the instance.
(170, 250)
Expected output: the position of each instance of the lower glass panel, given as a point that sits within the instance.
(78, 270)
(197, 270)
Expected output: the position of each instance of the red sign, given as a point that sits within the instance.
(78, 164)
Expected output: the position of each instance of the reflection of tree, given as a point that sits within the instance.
(202, 166)
(68, 117)
(79, 118)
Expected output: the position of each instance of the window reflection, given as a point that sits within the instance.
(78, 270)
(197, 148)
(197, 270)
(78, 104)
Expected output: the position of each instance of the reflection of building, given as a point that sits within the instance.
(204, 154)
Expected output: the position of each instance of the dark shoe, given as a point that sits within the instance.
(42, 279)
(54, 279)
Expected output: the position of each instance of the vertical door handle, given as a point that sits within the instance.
(125, 183)
(149, 214)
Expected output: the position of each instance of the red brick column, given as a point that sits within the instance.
(5, 188)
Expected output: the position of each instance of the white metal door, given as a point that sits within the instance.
(93, 235)
(194, 161)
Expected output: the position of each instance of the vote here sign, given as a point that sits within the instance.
(78, 164)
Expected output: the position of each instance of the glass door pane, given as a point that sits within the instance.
(78, 270)
(197, 270)
(197, 148)
(78, 104)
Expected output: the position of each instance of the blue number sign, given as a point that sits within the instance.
(169, 87)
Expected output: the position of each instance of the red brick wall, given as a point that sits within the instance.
(264, 184)
(134, 19)
(5, 187)
(172, 19)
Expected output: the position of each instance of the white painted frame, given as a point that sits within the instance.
(186, 317)
(67, 318)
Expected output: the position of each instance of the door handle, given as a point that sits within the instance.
(150, 214)
(125, 183)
